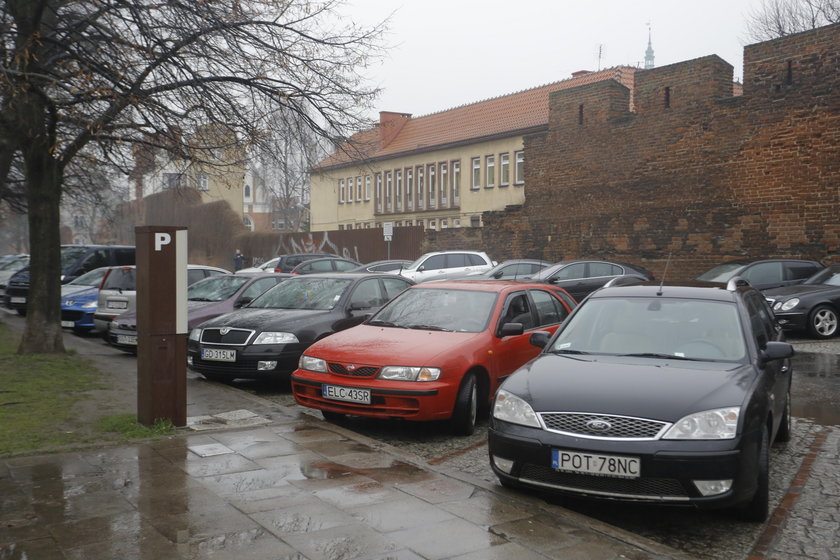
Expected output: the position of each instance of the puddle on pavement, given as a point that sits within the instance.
(815, 393)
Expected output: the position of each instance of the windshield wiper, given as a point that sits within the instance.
(381, 323)
(569, 351)
(200, 299)
(428, 328)
(663, 356)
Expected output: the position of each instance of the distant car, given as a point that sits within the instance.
(392, 265)
(581, 277)
(9, 266)
(325, 264)
(118, 291)
(438, 351)
(812, 306)
(442, 265)
(206, 299)
(78, 300)
(266, 337)
(267, 266)
(763, 274)
(514, 269)
(287, 263)
(662, 394)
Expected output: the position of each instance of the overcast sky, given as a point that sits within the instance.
(446, 53)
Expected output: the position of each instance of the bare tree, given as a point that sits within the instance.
(778, 18)
(84, 80)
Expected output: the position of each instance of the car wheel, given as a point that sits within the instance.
(785, 424)
(822, 322)
(333, 417)
(759, 506)
(466, 407)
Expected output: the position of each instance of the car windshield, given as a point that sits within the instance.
(416, 264)
(720, 273)
(215, 288)
(70, 255)
(304, 293)
(92, 278)
(14, 265)
(690, 329)
(829, 276)
(438, 309)
(121, 279)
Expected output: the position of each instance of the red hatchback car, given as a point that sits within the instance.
(437, 351)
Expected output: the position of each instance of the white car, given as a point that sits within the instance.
(442, 265)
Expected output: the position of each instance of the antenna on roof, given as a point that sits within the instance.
(661, 284)
(600, 53)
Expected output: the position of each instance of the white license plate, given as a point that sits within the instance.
(127, 339)
(216, 355)
(347, 394)
(600, 465)
(14, 299)
(117, 305)
(67, 324)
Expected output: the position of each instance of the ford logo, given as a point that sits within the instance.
(598, 425)
(224, 330)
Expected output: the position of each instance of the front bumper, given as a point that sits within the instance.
(247, 362)
(792, 321)
(667, 472)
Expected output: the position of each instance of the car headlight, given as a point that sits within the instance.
(510, 408)
(406, 373)
(89, 305)
(275, 338)
(720, 423)
(311, 363)
(786, 305)
(195, 335)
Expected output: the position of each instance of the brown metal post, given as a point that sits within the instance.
(161, 324)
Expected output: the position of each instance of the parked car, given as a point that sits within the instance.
(581, 277)
(118, 291)
(286, 263)
(78, 300)
(812, 306)
(266, 337)
(763, 274)
(325, 264)
(651, 393)
(514, 269)
(391, 265)
(267, 266)
(75, 261)
(9, 267)
(441, 265)
(207, 298)
(438, 351)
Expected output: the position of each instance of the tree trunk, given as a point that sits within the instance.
(43, 333)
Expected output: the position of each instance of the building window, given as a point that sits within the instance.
(341, 190)
(340, 227)
(203, 184)
(367, 188)
(358, 189)
(476, 173)
(249, 225)
(378, 179)
(490, 171)
(475, 221)
(367, 225)
(171, 180)
(409, 189)
(432, 184)
(408, 222)
(444, 184)
(389, 191)
(349, 189)
(433, 224)
(456, 222)
(456, 183)
(420, 223)
(504, 169)
(421, 186)
(398, 174)
(444, 224)
(519, 178)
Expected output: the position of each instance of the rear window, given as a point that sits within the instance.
(121, 279)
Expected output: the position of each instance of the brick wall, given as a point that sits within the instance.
(679, 167)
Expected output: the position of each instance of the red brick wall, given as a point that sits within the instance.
(691, 172)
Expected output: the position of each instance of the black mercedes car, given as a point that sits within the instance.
(266, 337)
(581, 277)
(648, 393)
(812, 306)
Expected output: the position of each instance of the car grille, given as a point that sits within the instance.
(214, 335)
(67, 315)
(365, 371)
(603, 426)
(629, 488)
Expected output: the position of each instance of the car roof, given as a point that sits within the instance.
(690, 290)
(345, 275)
(484, 285)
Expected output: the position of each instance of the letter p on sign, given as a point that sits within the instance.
(162, 239)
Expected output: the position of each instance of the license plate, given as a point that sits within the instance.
(117, 305)
(127, 339)
(599, 465)
(347, 394)
(216, 355)
(67, 324)
(14, 299)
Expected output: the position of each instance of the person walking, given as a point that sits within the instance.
(238, 260)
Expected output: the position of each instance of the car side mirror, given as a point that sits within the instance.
(357, 305)
(498, 275)
(245, 300)
(511, 329)
(421, 268)
(776, 351)
(540, 338)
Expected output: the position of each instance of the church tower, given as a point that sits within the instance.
(649, 53)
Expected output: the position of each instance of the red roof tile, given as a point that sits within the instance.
(514, 112)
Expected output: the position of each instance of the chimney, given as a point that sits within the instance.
(390, 125)
(580, 73)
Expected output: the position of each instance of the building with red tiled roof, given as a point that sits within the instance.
(439, 170)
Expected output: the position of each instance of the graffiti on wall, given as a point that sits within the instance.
(311, 244)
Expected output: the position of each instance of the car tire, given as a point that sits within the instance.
(785, 424)
(823, 322)
(465, 412)
(757, 509)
